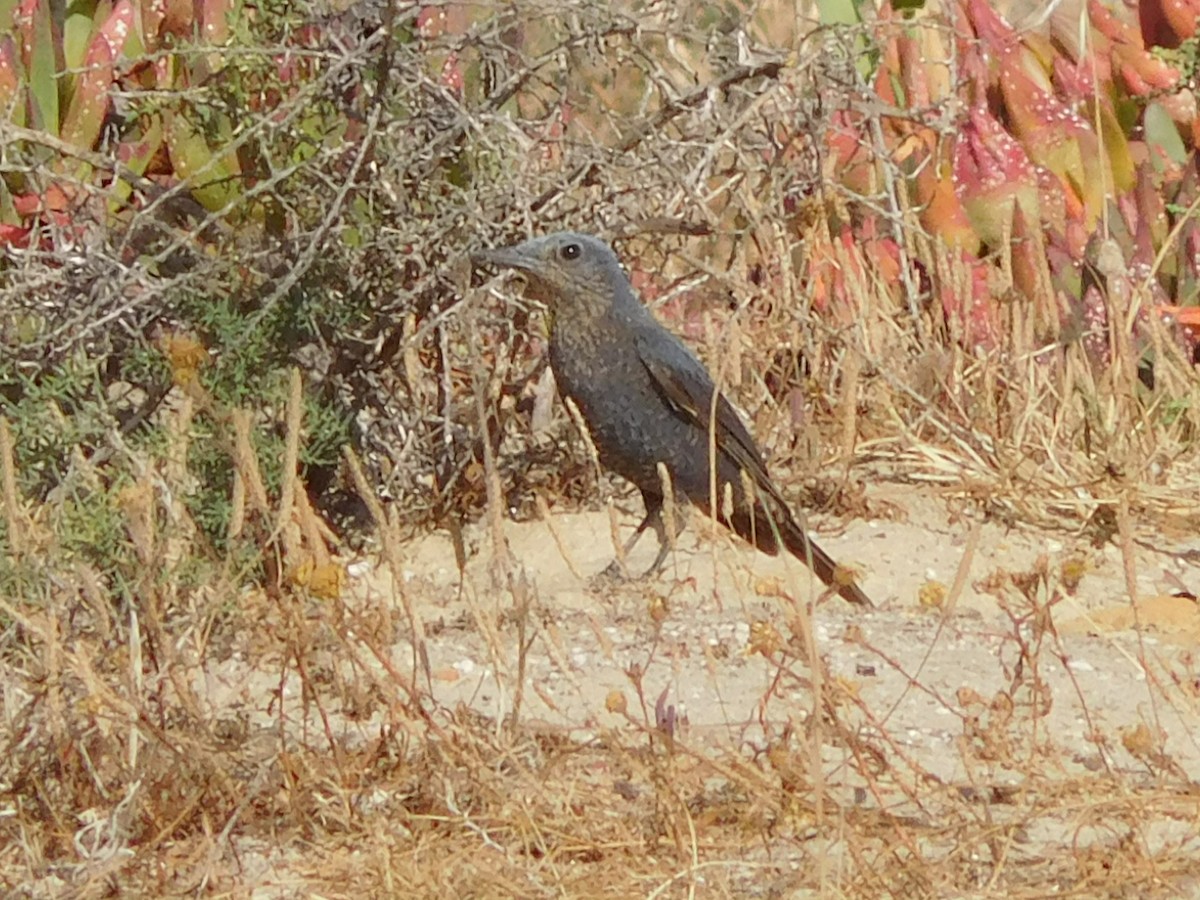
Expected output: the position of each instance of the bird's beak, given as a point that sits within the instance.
(505, 257)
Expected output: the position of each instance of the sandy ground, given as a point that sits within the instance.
(717, 592)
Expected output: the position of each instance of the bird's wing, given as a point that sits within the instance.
(688, 389)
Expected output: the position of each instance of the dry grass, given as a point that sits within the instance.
(174, 724)
(211, 736)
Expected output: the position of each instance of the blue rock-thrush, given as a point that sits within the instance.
(650, 405)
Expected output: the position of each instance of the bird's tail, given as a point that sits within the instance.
(771, 524)
(822, 564)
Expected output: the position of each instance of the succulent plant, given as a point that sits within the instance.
(1051, 143)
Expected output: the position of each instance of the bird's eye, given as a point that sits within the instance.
(569, 251)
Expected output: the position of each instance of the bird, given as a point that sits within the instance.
(651, 407)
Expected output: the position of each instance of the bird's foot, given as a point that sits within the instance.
(613, 573)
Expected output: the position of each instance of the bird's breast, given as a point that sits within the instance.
(630, 423)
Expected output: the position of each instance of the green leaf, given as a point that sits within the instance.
(43, 68)
(839, 12)
(78, 25)
(136, 155)
(1162, 133)
(8, 13)
(214, 178)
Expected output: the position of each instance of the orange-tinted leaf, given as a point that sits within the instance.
(942, 212)
(1182, 16)
(1031, 272)
(177, 17)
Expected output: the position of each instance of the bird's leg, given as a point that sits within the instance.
(668, 526)
(616, 568)
(649, 519)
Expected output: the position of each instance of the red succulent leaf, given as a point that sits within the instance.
(849, 157)
(1145, 212)
(839, 265)
(117, 28)
(889, 70)
(880, 251)
(1038, 116)
(154, 12)
(136, 154)
(904, 65)
(1052, 132)
(58, 201)
(1188, 257)
(1167, 23)
(988, 156)
(431, 21)
(1076, 81)
(10, 77)
(56, 205)
(825, 279)
(1056, 205)
(14, 236)
(89, 102)
(213, 18)
(988, 25)
(1118, 30)
(684, 312)
(1095, 325)
(452, 74)
(164, 71)
(851, 271)
(27, 205)
(991, 174)
(1185, 322)
(438, 19)
(1184, 315)
(647, 288)
(1142, 73)
(1057, 137)
(23, 22)
(1156, 31)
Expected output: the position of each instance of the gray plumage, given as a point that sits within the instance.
(647, 399)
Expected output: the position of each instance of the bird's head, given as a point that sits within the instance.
(574, 274)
